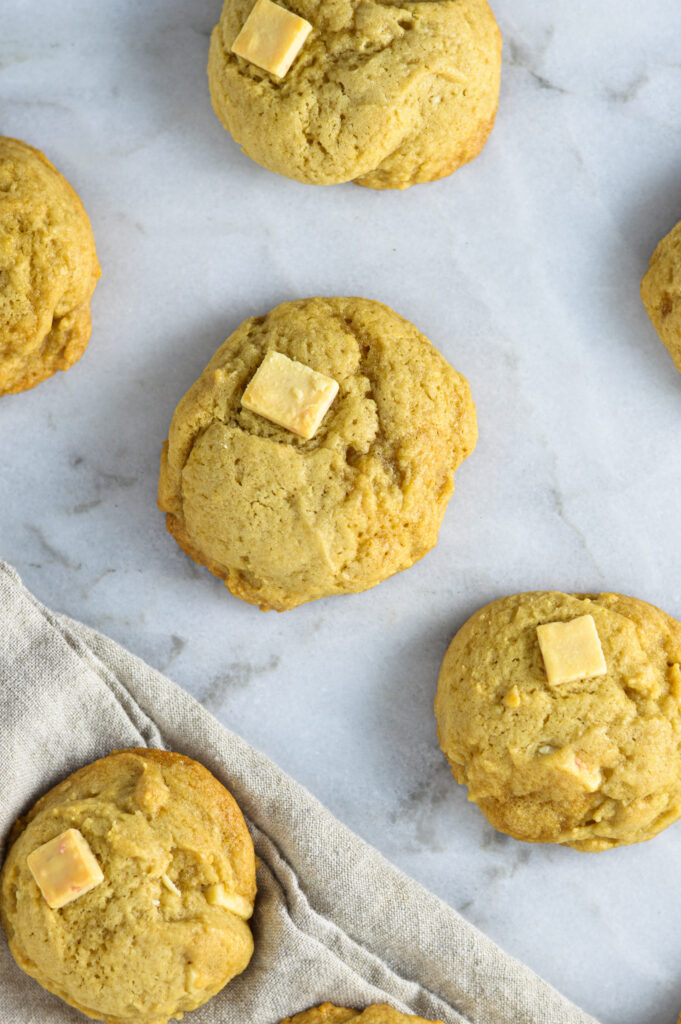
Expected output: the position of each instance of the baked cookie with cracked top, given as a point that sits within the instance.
(48, 269)
(382, 93)
(126, 889)
(327, 1013)
(283, 518)
(562, 715)
(661, 292)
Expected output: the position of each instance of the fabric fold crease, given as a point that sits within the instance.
(334, 919)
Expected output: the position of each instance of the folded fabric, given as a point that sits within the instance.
(334, 920)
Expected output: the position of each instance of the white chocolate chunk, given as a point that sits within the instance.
(218, 896)
(195, 979)
(170, 885)
(567, 761)
(64, 868)
(290, 394)
(512, 698)
(571, 650)
(271, 37)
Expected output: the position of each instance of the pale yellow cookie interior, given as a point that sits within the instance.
(48, 269)
(147, 943)
(284, 520)
(593, 763)
(661, 292)
(385, 94)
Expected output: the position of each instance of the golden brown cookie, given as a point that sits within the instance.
(48, 269)
(589, 760)
(385, 94)
(661, 292)
(327, 1013)
(284, 520)
(166, 928)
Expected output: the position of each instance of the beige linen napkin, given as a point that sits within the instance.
(333, 920)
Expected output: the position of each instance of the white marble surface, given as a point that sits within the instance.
(523, 268)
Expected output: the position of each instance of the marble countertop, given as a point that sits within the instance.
(523, 268)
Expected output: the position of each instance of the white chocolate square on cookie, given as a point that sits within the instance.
(271, 37)
(290, 394)
(571, 650)
(218, 896)
(64, 868)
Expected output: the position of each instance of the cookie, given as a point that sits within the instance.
(283, 519)
(560, 712)
(661, 292)
(327, 1013)
(386, 95)
(48, 269)
(165, 927)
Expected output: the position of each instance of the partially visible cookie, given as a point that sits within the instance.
(386, 95)
(562, 715)
(283, 517)
(661, 292)
(162, 926)
(48, 269)
(327, 1013)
